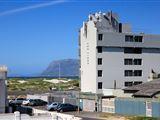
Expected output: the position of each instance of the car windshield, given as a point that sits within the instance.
(54, 103)
(20, 98)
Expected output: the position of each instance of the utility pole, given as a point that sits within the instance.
(59, 75)
(78, 101)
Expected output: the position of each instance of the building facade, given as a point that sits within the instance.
(112, 57)
(3, 89)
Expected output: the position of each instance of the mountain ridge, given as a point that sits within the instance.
(62, 68)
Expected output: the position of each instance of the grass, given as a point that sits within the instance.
(141, 118)
(38, 84)
(124, 117)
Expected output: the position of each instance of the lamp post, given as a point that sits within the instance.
(59, 75)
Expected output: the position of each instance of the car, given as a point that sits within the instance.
(37, 102)
(17, 101)
(53, 106)
(27, 102)
(66, 107)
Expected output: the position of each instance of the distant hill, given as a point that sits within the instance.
(68, 67)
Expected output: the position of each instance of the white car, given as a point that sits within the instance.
(26, 102)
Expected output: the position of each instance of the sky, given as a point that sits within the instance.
(33, 33)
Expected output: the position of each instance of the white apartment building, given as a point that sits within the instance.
(112, 57)
(3, 89)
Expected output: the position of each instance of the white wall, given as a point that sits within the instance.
(3, 91)
(88, 56)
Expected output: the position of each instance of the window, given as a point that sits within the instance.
(99, 85)
(99, 73)
(129, 38)
(128, 61)
(127, 84)
(100, 36)
(99, 49)
(138, 38)
(128, 73)
(99, 61)
(137, 72)
(132, 73)
(137, 82)
(137, 61)
(133, 50)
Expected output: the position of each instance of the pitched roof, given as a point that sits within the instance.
(148, 89)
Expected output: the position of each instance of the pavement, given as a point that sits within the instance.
(86, 115)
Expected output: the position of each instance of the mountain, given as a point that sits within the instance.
(67, 68)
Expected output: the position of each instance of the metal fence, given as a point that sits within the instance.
(135, 106)
(130, 107)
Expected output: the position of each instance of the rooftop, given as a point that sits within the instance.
(148, 89)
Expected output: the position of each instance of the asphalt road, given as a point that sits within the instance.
(85, 118)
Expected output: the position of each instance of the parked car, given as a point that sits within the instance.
(24, 110)
(17, 101)
(27, 102)
(37, 102)
(53, 106)
(66, 107)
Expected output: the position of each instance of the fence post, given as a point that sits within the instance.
(17, 115)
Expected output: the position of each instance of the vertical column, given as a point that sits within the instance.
(3, 91)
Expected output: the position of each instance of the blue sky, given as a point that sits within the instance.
(32, 34)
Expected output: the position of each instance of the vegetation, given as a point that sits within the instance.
(122, 117)
(141, 118)
(38, 84)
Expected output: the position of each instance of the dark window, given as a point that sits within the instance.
(138, 38)
(127, 84)
(137, 61)
(99, 73)
(133, 50)
(137, 82)
(129, 38)
(99, 49)
(128, 73)
(99, 85)
(100, 36)
(99, 61)
(137, 72)
(128, 61)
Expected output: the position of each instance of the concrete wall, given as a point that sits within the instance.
(113, 39)
(88, 56)
(108, 105)
(39, 116)
(44, 97)
(113, 66)
(3, 89)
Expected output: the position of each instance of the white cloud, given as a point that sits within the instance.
(31, 7)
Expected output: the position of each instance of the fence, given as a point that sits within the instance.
(132, 106)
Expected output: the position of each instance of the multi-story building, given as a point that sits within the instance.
(3, 89)
(112, 57)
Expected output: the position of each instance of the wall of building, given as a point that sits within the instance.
(113, 66)
(114, 39)
(88, 56)
(3, 90)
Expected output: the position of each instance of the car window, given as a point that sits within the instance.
(20, 98)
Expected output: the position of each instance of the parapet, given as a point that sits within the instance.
(3, 68)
